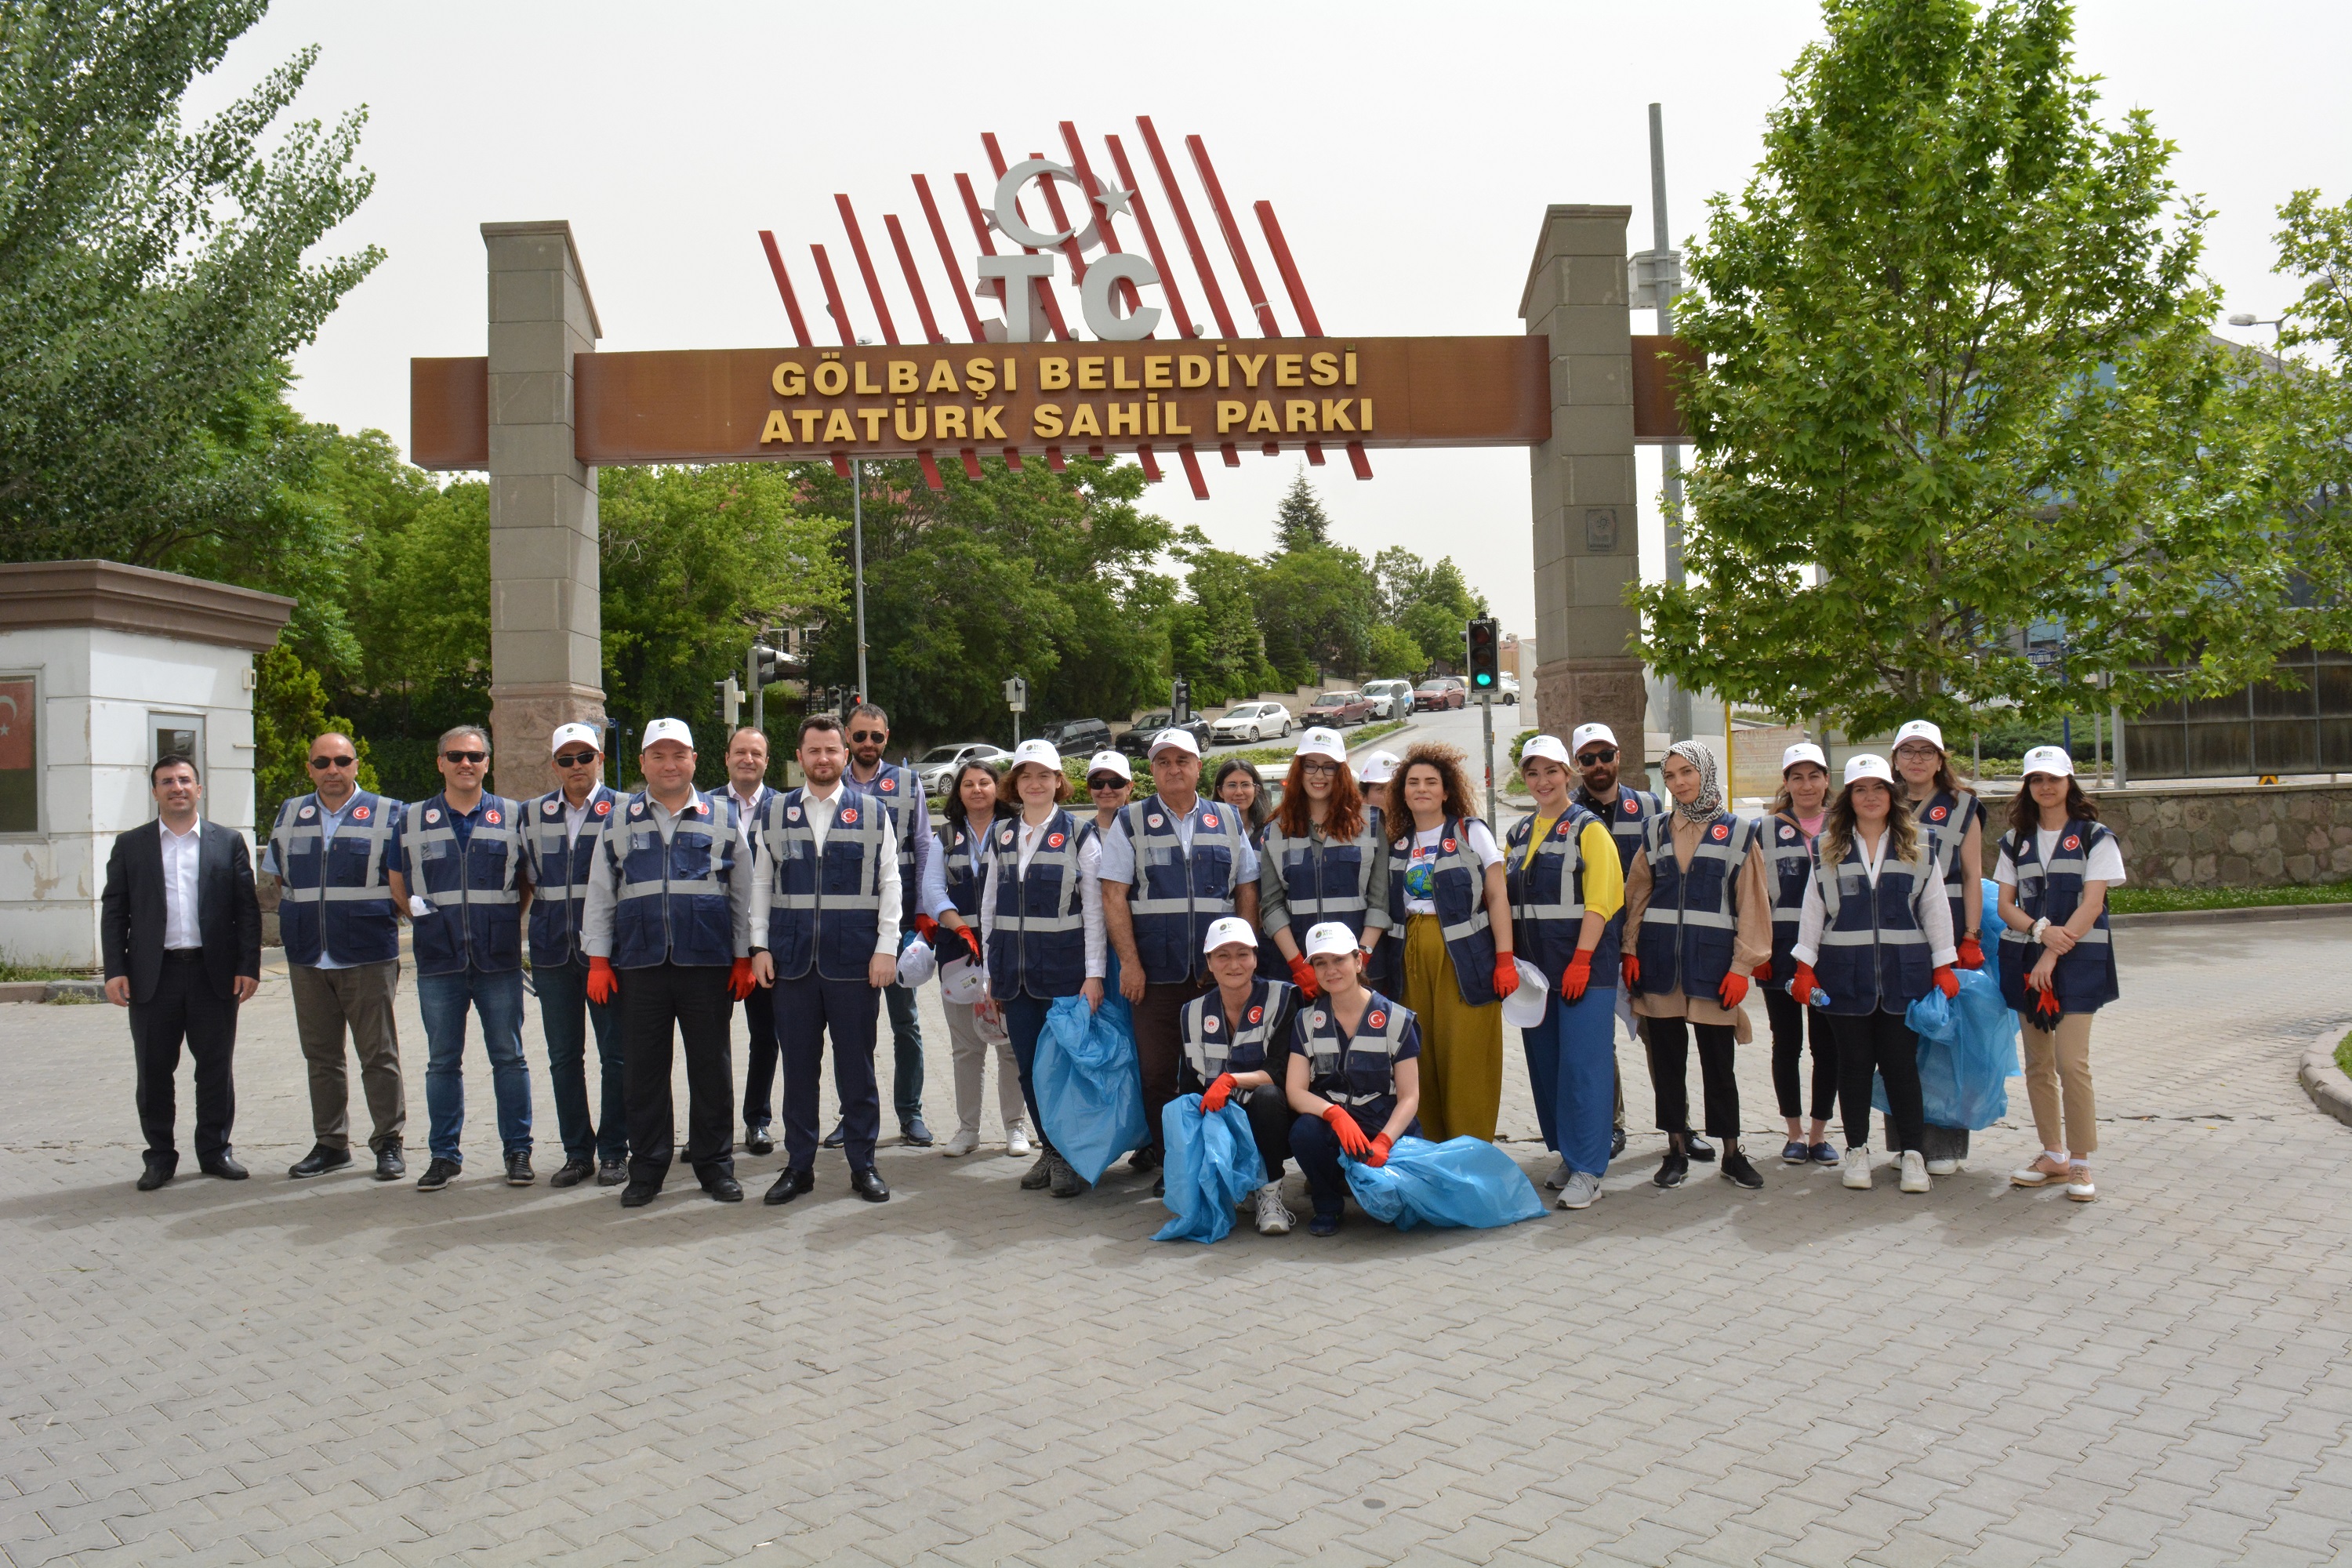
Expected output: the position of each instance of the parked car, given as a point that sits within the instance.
(1440, 692)
(938, 765)
(1390, 699)
(1135, 741)
(1251, 721)
(1077, 737)
(1506, 691)
(1339, 709)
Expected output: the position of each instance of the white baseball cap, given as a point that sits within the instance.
(1379, 768)
(1866, 766)
(566, 734)
(1040, 752)
(1804, 751)
(1918, 730)
(1331, 936)
(1547, 747)
(1589, 732)
(1524, 1009)
(1109, 762)
(917, 962)
(1230, 929)
(2051, 760)
(1179, 739)
(962, 981)
(667, 730)
(1322, 742)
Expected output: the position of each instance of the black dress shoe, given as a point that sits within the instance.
(869, 1185)
(318, 1161)
(1616, 1143)
(612, 1172)
(156, 1173)
(573, 1174)
(1671, 1171)
(723, 1189)
(912, 1131)
(790, 1185)
(1144, 1159)
(638, 1195)
(1698, 1148)
(756, 1141)
(224, 1166)
(389, 1165)
(834, 1138)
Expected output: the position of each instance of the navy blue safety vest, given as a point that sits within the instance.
(1626, 819)
(1689, 924)
(1037, 935)
(2083, 978)
(1874, 957)
(1362, 1070)
(475, 888)
(1322, 881)
(559, 871)
(1384, 970)
(1215, 1044)
(901, 794)
(1946, 818)
(672, 904)
(1176, 894)
(965, 850)
(336, 904)
(1457, 885)
(823, 910)
(1548, 899)
(1788, 867)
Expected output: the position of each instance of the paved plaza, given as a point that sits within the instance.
(344, 1372)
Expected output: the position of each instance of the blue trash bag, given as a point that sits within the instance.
(1209, 1164)
(1968, 1053)
(1461, 1182)
(1089, 1090)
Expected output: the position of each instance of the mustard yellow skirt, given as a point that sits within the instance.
(1460, 1045)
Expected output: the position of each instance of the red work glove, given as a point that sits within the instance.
(1220, 1090)
(1577, 975)
(1351, 1136)
(1380, 1154)
(740, 984)
(1734, 990)
(602, 982)
(971, 934)
(1632, 967)
(1762, 973)
(2046, 1010)
(1302, 974)
(1507, 974)
(1801, 985)
(926, 928)
(1947, 982)
(1972, 954)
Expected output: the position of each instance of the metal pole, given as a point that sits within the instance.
(1678, 703)
(752, 681)
(2116, 730)
(1487, 722)
(857, 562)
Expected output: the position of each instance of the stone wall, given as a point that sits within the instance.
(2200, 835)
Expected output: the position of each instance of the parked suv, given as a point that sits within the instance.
(1137, 742)
(1439, 692)
(1251, 721)
(1339, 709)
(1390, 699)
(1077, 737)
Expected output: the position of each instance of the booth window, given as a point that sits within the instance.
(20, 756)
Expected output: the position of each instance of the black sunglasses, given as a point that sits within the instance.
(1107, 784)
(466, 756)
(332, 761)
(1603, 754)
(869, 734)
(575, 759)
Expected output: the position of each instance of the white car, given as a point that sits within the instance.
(1506, 691)
(1251, 721)
(938, 765)
(1391, 698)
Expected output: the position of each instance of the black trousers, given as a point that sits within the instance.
(1879, 1043)
(1669, 1048)
(1267, 1108)
(760, 1064)
(1793, 1023)
(805, 1008)
(184, 1007)
(659, 1006)
(1317, 1149)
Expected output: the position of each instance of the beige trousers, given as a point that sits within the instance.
(2058, 1081)
(327, 1002)
(968, 1053)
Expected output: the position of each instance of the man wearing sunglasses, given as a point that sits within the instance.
(457, 868)
(1622, 809)
(901, 792)
(330, 855)
(563, 828)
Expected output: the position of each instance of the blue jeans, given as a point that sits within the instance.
(497, 998)
(1025, 1020)
(565, 1015)
(1572, 1071)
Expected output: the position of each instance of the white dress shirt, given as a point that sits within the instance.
(1929, 907)
(1090, 892)
(182, 854)
(817, 812)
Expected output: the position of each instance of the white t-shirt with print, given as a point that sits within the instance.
(1425, 851)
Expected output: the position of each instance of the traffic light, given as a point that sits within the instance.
(1485, 639)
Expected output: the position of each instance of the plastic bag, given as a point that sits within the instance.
(1089, 1090)
(1968, 1052)
(1209, 1164)
(1461, 1182)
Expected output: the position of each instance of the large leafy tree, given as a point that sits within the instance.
(1428, 603)
(1956, 384)
(1214, 636)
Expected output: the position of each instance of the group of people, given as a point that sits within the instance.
(1337, 965)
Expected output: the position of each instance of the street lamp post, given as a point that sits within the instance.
(857, 562)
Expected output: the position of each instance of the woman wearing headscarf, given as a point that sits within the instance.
(1954, 819)
(1321, 860)
(1699, 923)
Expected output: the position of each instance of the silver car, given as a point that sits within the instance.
(938, 765)
(1391, 698)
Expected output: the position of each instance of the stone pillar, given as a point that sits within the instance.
(546, 625)
(1587, 543)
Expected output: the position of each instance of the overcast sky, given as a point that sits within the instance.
(1408, 151)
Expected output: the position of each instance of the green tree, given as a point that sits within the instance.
(1954, 355)
(290, 712)
(1213, 637)
(1300, 521)
(1428, 603)
(1392, 652)
(1318, 606)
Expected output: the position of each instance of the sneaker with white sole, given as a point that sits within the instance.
(1274, 1218)
(1945, 1167)
(2079, 1187)
(1856, 1173)
(2040, 1174)
(965, 1140)
(1016, 1144)
(1559, 1174)
(1578, 1191)
(1915, 1172)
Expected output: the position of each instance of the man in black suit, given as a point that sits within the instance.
(181, 932)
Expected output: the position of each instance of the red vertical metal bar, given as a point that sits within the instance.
(947, 259)
(1185, 326)
(865, 267)
(1358, 461)
(987, 245)
(833, 296)
(1012, 458)
(971, 463)
(931, 471)
(841, 465)
(1232, 454)
(1070, 246)
(1095, 209)
(1175, 194)
(1053, 458)
(932, 332)
(1233, 241)
(1151, 464)
(784, 287)
(1289, 268)
(1192, 471)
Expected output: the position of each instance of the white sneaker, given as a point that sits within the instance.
(1016, 1143)
(2078, 1184)
(964, 1142)
(1857, 1169)
(1915, 1172)
(1578, 1191)
(1945, 1167)
(1273, 1218)
(1560, 1175)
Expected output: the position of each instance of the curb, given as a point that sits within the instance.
(53, 991)
(2229, 917)
(2330, 1087)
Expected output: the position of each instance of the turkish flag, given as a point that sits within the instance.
(16, 717)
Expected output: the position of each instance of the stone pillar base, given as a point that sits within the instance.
(522, 717)
(1572, 691)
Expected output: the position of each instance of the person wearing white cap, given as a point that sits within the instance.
(1238, 785)
(747, 792)
(1954, 818)
(1111, 784)
(1041, 924)
(1623, 809)
(1172, 865)
(562, 831)
(1237, 1049)
(1566, 887)
(1384, 961)
(1698, 924)
(1789, 831)
(951, 882)
(668, 928)
(1354, 1075)
(2057, 962)
(1323, 857)
(1874, 934)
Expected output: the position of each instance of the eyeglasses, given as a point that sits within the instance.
(869, 734)
(1106, 783)
(1598, 754)
(332, 761)
(575, 759)
(1318, 770)
(466, 756)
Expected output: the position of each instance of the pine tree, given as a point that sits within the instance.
(1300, 523)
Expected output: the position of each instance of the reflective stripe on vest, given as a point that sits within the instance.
(1301, 865)
(1687, 945)
(1946, 818)
(1454, 873)
(671, 918)
(1033, 951)
(560, 866)
(1866, 937)
(1547, 895)
(1211, 1041)
(1171, 926)
(366, 816)
(446, 880)
(361, 926)
(1789, 864)
(961, 871)
(900, 792)
(799, 900)
(2085, 975)
(1370, 1052)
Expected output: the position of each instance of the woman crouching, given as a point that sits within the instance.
(1354, 1075)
